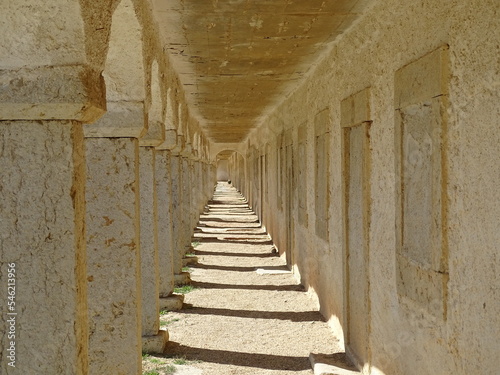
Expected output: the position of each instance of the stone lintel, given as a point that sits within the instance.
(154, 136)
(123, 120)
(71, 92)
(422, 79)
(169, 141)
(155, 344)
(355, 109)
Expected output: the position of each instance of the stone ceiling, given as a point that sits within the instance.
(238, 58)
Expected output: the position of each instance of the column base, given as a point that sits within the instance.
(338, 364)
(183, 278)
(173, 302)
(155, 344)
(188, 260)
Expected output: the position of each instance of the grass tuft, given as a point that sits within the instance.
(184, 289)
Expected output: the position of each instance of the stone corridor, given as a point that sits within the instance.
(362, 134)
(247, 313)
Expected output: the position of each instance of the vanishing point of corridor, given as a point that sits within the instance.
(245, 314)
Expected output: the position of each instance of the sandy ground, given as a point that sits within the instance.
(241, 319)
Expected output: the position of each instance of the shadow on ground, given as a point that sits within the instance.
(263, 361)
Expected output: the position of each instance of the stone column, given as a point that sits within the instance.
(113, 246)
(42, 225)
(180, 184)
(166, 181)
(153, 339)
(186, 205)
(165, 237)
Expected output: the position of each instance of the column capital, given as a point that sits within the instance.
(124, 119)
(169, 141)
(66, 92)
(155, 136)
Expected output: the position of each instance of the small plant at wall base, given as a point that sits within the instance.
(184, 289)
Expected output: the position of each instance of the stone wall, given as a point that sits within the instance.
(430, 217)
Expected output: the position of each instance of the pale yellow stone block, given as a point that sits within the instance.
(182, 278)
(422, 79)
(155, 344)
(123, 119)
(42, 226)
(165, 237)
(73, 92)
(173, 302)
(150, 278)
(113, 255)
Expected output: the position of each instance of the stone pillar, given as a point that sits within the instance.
(165, 183)
(113, 246)
(153, 339)
(186, 206)
(42, 210)
(193, 201)
(177, 181)
(179, 191)
(165, 237)
(42, 247)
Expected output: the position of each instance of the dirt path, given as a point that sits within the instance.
(246, 314)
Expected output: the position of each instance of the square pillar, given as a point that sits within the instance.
(113, 239)
(42, 209)
(42, 248)
(113, 255)
(153, 339)
(178, 225)
(186, 206)
(165, 235)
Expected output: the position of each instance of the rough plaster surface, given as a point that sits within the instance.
(113, 255)
(165, 234)
(149, 242)
(42, 179)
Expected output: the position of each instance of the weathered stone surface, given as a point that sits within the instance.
(40, 34)
(165, 235)
(74, 92)
(172, 303)
(42, 205)
(155, 344)
(177, 222)
(123, 119)
(150, 278)
(186, 261)
(333, 364)
(113, 255)
(423, 79)
(182, 278)
(243, 77)
(186, 213)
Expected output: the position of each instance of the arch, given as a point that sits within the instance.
(124, 66)
(169, 113)
(216, 148)
(124, 77)
(155, 100)
(156, 128)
